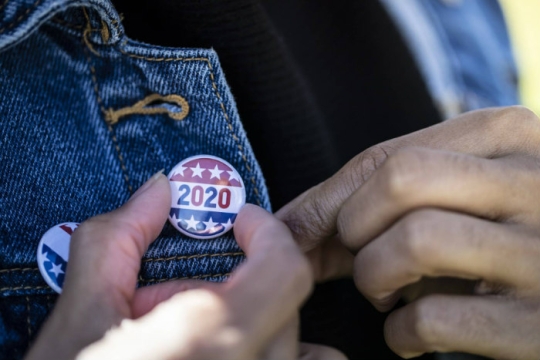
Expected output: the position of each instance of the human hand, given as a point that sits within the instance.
(101, 314)
(459, 199)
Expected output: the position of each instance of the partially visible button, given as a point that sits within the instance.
(53, 254)
(207, 194)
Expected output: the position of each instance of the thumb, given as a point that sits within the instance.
(106, 250)
(312, 216)
(105, 256)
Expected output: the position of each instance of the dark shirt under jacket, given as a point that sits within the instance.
(316, 82)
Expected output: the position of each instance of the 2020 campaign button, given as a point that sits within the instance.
(207, 194)
(53, 254)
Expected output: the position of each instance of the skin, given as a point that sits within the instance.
(453, 204)
(101, 314)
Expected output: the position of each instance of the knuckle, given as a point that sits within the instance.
(401, 171)
(436, 321)
(368, 161)
(429, 321)
(321, 213)
(101, 232)
(517, 120)
(519, 115)
(345, 222)
(416, 230)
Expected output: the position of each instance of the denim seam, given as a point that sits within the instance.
(87, 30)
(14, 288)
(41, 287)
(196, 277)
(109, 127)
(222, 105)
(180, 257)
(18, 269)
(105, 35)
(189, 257)
(20, 18)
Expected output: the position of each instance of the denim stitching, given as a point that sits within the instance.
(28, 317)
(11, 288)
(20, 18)
(87, 30)
(189, 257)
(204, 276)
(18, 269)
(105, 35)
(180, 257)
(109, 127)
(196, 277)
(214, 86)
(231, 129)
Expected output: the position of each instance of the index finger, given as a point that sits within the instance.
(313, 215)
(266, 291)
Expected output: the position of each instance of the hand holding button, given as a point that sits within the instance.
(101, 314)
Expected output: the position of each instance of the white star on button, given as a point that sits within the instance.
(197, 171)
(192, 223)
(227, 224)
(53, 254)
(233, 175)
(180, 170)
(216, 173)
(209, 224)
(56, 269)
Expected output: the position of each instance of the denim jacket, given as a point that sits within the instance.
(87, 115)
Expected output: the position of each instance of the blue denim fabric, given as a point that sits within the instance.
(463, 50)
(62, 69)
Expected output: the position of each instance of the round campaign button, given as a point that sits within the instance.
(53, 254)
(207, 194)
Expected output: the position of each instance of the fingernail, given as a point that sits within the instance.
(148, 184)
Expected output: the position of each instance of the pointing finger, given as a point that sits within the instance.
(267, 290)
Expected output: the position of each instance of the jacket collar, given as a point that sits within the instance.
(19, 18)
